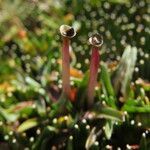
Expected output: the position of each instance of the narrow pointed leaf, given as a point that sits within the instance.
(28, 124)
(105, 79)
(109, 113)
(124, 72)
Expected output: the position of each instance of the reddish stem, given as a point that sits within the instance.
(66, 67)
(94, 63)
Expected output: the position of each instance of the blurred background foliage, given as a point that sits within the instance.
(120, 22)
(30, 55)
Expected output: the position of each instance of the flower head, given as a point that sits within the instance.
(67, 31)
(96, 40)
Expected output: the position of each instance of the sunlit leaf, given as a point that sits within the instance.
(109, 113)
(108, 128)
(28, 124)
(91, 139)
(10, 117)
(124, 72)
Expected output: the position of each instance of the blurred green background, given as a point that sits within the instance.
(29, 32)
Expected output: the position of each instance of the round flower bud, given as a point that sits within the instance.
(67, 31)
(96, 40)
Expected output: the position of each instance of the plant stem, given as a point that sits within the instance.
(93, 74)
(66, 67)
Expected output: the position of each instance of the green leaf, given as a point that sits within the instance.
(10, 117)
(48, 132)
(136, 109)
(41, 107)
(28, 124)
(82, 87)
(105, 79)
(62, 106)
(142, 117)
(26, 112)
(32, 82)
(109, 113)
(109, 128)
(119, 1)
(91, 139)
(70, 143)
(143, 142)
(124, 72)
(107, 86)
